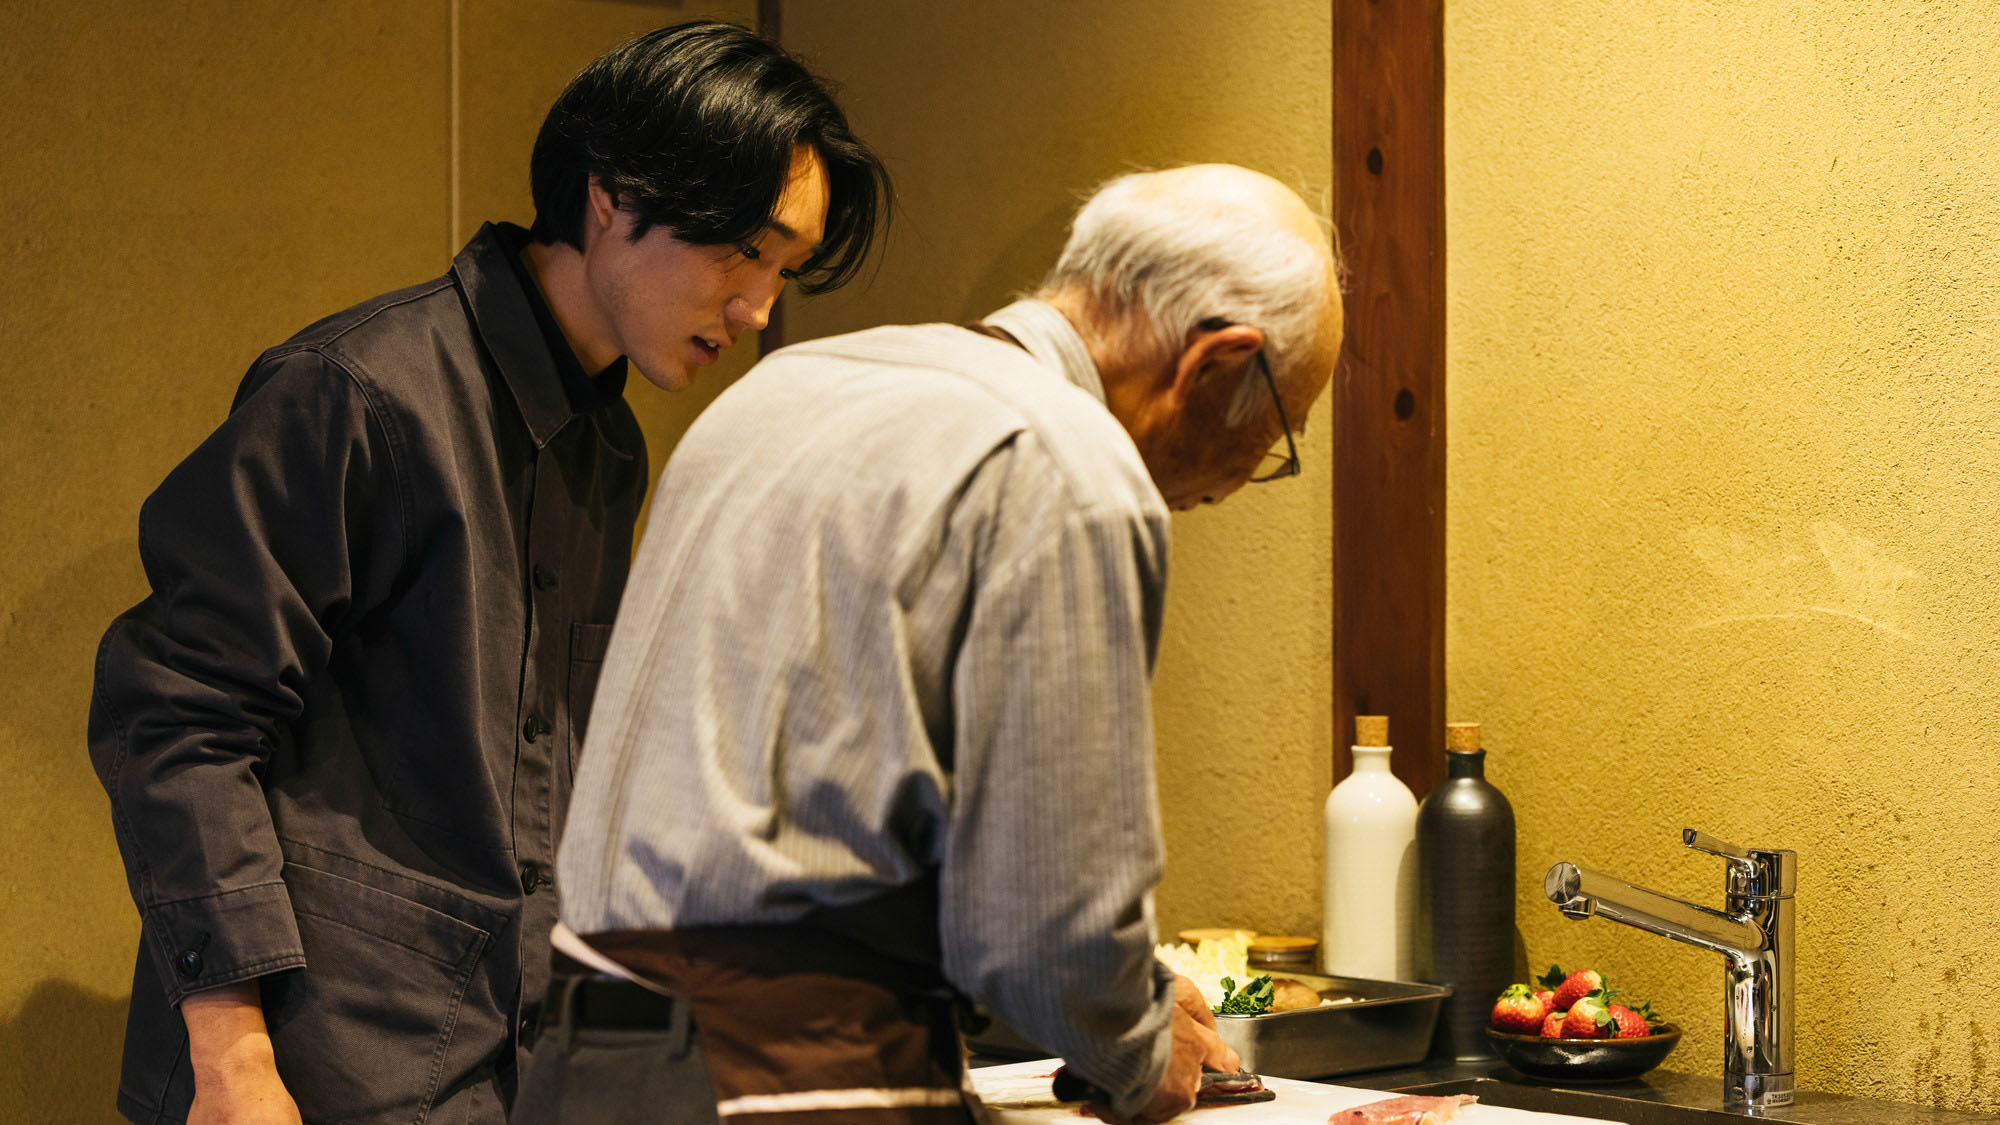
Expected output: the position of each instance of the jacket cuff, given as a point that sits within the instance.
(223, 938)
(1152, 1064)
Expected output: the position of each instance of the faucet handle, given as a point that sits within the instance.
(1753, 872)
(1703, 842)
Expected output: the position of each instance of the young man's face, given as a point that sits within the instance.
(672, 306)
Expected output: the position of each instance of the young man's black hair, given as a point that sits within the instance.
(693, 128)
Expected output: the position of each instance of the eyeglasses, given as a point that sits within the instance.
(1274, 466)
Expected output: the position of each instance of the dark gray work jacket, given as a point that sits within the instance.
(338, 736)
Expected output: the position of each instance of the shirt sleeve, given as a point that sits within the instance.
(1054, 848)
(259, 548)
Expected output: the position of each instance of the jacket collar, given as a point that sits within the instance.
(504, 316)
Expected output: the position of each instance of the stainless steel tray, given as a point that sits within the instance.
(1388, 1024)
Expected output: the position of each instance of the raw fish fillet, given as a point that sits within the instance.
(1410, 1110)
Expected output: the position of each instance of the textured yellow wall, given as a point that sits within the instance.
(185, 187)
(1725, 424)
(1724, 450)
(995, 120)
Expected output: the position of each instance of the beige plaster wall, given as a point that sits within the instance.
(187, 185)
(1724, 450)
(996, 119)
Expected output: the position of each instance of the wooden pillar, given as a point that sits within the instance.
(770, 25)
(1388, 151)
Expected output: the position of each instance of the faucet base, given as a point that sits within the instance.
(1757, 1091)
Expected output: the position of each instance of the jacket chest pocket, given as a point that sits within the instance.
(587, 645)
(365, 1032)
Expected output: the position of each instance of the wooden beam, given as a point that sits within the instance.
(1388, 151)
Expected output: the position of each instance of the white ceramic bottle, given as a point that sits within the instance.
(1368, 913)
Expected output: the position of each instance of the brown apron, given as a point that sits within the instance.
(841, 1019)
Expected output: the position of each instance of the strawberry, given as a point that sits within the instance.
(1548, 999)
(1631, 1024)
(1552, 1025)
(1518, 1011)
(1572, 987)
(1590, 1017)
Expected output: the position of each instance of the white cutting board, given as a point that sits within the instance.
(1020, 1094)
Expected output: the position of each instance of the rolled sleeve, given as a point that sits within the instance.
(225, 937)
(1055, 843)
(259, 548)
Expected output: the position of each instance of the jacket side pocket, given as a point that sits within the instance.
(361, 1033)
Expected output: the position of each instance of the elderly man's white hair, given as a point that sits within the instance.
(1170, 260)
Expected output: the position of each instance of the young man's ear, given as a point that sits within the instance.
(600, 207)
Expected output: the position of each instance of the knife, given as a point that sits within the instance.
(1215, 1088)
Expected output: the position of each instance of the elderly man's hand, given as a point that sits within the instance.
(1221, 1056)
(1196, 1045)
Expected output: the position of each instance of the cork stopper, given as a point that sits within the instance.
(1371, 730)
(1461, 738)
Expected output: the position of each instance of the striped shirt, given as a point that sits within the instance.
(896, 611)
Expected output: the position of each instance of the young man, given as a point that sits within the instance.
(876, 728)
(338, 736)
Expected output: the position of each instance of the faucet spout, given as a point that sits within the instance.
(1580, 892)
(1754, 935)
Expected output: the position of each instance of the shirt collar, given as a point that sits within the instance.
(510, 317)
(1049, 336)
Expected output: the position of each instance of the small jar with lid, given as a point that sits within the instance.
(1272, 953)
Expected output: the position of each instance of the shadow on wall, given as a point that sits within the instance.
(67, 891)
(1022, 264)
(61, 1051)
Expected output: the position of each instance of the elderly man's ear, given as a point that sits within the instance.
(1213, 354)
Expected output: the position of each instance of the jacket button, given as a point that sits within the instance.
(545, 579)
(188, 964)
(533, 728)
(534, 877)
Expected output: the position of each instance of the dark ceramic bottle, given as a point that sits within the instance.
(1465, 928)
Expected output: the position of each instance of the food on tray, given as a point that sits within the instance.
(1408, 1110)
(1253, 999)
(1215, 960)
(1575, 1005)
(1240, 1088)
(1207, 962)
(1289, 995)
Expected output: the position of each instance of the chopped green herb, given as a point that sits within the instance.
(1254, 999)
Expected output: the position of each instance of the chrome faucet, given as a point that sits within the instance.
(1753, 932)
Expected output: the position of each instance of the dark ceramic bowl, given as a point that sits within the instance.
(1584, 1060)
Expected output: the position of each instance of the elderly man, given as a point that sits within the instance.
(338, 735)
(874, 729)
